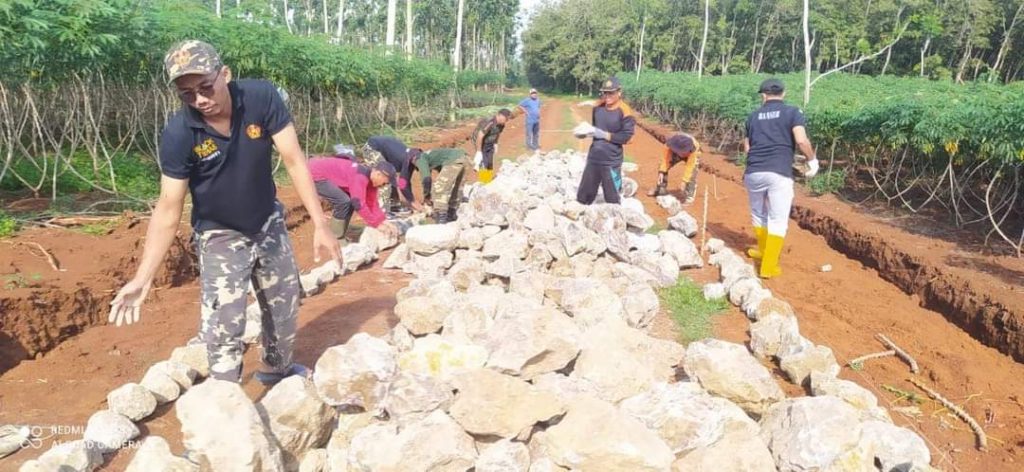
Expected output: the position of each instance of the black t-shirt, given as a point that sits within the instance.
(772, 144)
(491, 131)
(620, 123)
(230, 178)
(393, 150)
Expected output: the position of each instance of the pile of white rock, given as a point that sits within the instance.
(522, 346)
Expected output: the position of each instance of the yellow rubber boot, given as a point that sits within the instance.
(485, 176)
(761, 233)
(770, 262)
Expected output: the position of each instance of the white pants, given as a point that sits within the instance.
(771, 197)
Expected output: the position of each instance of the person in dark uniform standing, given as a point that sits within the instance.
(774, 131)
(613, 126)
(485, 138)
(679, 148)
(218, 148)
(400, 156)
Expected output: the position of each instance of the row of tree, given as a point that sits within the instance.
(572, 44)
(47, 37)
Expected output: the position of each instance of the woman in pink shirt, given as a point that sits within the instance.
(350, 186)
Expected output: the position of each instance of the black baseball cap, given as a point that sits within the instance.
(772, 86)
(680, 144)
(611, 85)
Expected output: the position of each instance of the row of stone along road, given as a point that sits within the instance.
(523, 345)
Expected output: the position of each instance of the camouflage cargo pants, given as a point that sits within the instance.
(384, 192)
(228, 262)
(447, 188)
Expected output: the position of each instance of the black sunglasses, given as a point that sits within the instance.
(206, 89)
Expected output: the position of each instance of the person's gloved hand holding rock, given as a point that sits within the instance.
(812, 168)
(583, 130)
(478, 159)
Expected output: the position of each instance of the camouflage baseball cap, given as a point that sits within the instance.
(191, 57)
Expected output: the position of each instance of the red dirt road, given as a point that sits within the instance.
(842, 309)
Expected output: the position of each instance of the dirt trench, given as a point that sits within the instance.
(988, 306)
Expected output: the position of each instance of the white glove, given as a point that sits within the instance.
(812, 168)
(601, 134)
(583, 130)
(478, 159)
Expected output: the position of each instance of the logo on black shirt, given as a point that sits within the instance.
(254, 131)
(207, 149)
(769, 115)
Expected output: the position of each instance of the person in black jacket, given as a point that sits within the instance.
(613, 126)
(400, 156)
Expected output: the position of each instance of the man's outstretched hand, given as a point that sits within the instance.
(127, 305)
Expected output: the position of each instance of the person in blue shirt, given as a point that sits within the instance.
(531, 106)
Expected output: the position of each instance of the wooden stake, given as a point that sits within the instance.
(860, 360)
(899, 352)
(979, 433)
(704, 223)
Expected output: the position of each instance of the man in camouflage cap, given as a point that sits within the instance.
(218, 148)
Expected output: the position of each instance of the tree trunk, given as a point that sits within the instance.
(807, 55)
(704, 42)
(924, 50)
(457, 55)
(287, 17)
(1005, 46)
(218, 8)
(341, 20)
(389, 36)
(963, 62)
(640, 61)
(327, 21)
(888, 56)
(408, 29)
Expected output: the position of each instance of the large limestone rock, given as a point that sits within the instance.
(640, 305)
(664, 268)
(109, 431)
(194, 356)
(221, 427)
(431, 239)
(467, 273)
(472, 239)
(73, 456)
(422, 315)
(621, 361)
(161, 385)
(355, 373)
(132, 401)
(811, 433)
(470, 320)
(775, 335)
(433, 444)
(442, 358)
(593, 435)
(565, 387)
(398, 258)
(541, 218)
(681, 249)
(798, 366)
(684, 223)
(735, 451)
(316, 460)
(687, 417)
(154, 455)
(376, 240)
(588, 301)
(298, 419)
(432, 266)
(738, 291)
(714, 291)
(858, 397)
(507, 243)
(493, 404)
(895, 448)
(671, 204)
(355, 256)
(528, 340)
(349, 424)
(609, 223)
(504, 456)
(727, 370)
(180, 372)
(417, 394)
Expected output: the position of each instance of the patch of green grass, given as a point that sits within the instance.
(8, 225)
(99, 228)
(688, 308)
(827, 182)
(741, 160)
(17, 280)
(628, 158)
(656, 228)
(136, 175)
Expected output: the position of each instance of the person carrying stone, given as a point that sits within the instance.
(485, 139)
(613, 126)
(451, 165)
(531, 107)
(772, 134)
(218, 148)
(400, 156)
(350, 186)
(679, 148)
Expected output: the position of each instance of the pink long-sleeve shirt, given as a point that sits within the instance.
(354, 179)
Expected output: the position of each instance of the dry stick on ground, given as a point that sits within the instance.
(49, 257)
(860, 360)
(899, 352)
(959, 412)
